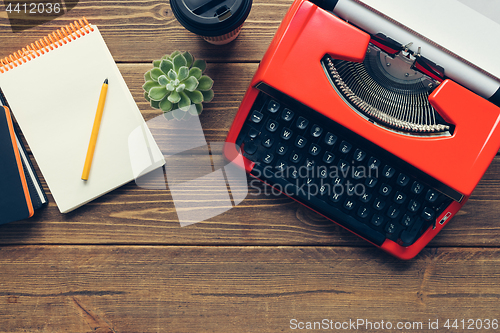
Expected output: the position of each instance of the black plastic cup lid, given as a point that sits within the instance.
(211, 17)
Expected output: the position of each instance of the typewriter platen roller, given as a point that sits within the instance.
(377, 88)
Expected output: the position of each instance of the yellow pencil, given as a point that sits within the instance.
(95, 131)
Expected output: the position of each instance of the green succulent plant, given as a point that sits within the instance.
(177, 86)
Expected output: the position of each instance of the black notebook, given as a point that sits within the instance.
(20, 190)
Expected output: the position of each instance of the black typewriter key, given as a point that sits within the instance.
(302, 122)
(323, 189)
(336, 196)
(300, 141)
(272, 125)
(316, 131)
(281, 166)
(377, 220)
(268, 142)
(416, 188)
(257, 116)
(388, 171)
(373, 163)
(309, 164)
(413, 206)
(273, 106)
(322, 172)
(365, 197)
(358, 173)
(428, 214)
(371, 182)
(281, 149)
(399, 198)
(349, 204)
(314, 149)
(250, 147)
(338, 181)
(431, 196)
(328, 157)
(330, 139)
(407, 220)
(403, 180)
(287, 115)
(295, 157)
(343, 166)
(293, 172)
(359, 155)
(363, 212)
(393, 212)
(409, 236)
(268, 158)
(253, 133)
(345, 147)
(379, 204)
(286, 133)
(390, 228)
(385, 189)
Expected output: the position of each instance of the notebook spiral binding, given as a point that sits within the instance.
(57, 38)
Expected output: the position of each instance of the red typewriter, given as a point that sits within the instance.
(363, 130)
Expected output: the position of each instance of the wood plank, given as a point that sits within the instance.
(141, 31)
(238, 289)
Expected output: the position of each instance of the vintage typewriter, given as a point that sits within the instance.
(363, 128)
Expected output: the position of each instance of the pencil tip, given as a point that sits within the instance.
(106, 81)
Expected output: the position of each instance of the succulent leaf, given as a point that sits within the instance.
(170, 87)
(191, 83)
(147, 76)
(179, 61)
(198, 108)
(146, 96)
(172, 75)
(162, 79)
(173, 55)
(184, 102)
(156, 63)
(206, 83)
(174, 97)
(196, 72)
(195, 96)
(183, 73)
(189, 58)
(156, 73)
(208, 95)
(180, 87)
(150, 84)
(157, 93)
(166, 66)
(201, 64)
(155, 104)
(165, 105)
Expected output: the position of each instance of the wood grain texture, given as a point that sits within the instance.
(141, 31)
(237, 289)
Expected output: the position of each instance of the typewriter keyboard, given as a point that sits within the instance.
(338, 173)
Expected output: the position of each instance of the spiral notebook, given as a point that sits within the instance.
(53, 86)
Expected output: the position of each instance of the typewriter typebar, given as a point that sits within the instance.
(362, 131)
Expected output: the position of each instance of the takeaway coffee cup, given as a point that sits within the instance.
(216, 21)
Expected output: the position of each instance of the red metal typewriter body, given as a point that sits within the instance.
(292, 66)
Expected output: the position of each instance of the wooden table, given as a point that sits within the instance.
(123, 264)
